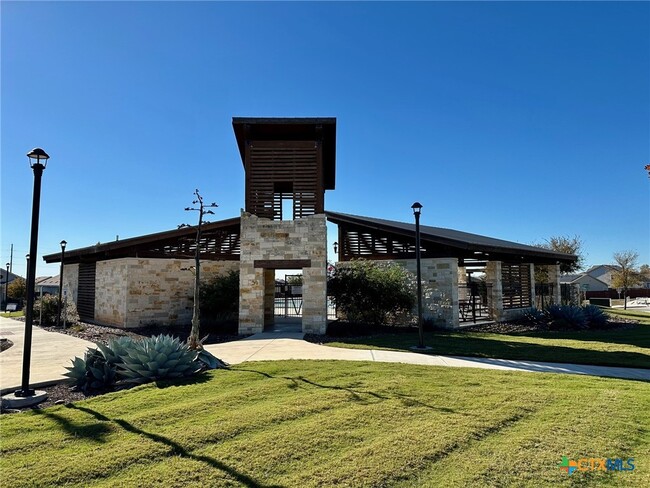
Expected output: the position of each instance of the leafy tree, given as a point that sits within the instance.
(371, 292)
(564, 244)
(17, 289)
(627, 275)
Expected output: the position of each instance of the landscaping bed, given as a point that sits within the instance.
(102, 333)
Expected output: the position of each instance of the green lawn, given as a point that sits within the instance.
(19, 313)
(624, 347)
(336, 423)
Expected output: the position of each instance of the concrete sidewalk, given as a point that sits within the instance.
(271, 346)
(51, 353)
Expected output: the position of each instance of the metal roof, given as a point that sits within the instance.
(453, 238)
(120, 248)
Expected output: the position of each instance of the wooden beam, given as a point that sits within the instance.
(282, 263)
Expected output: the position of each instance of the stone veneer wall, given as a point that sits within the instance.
(440, 280)
(266, 239)
(132, 292)
(111, 286)
(71, 281)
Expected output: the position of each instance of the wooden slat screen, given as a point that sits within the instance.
(86, 292)
(515, 279)
(294, 165)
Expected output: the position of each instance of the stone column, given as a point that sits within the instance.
(554, 280)
(493, 278)
(251, 299)
(71, 282)
(269, 296)
(314, 300)
(533, 295)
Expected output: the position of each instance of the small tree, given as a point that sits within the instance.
(627, 276)
(203, 209)
(564, 244)
(17, 289)
(371, 292)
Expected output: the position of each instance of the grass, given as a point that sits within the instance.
(623, 347)
(335, 423)
(18, 313)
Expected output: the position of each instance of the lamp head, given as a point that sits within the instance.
(37, 156)
(336, 248)
(63, 244)
(417, 208)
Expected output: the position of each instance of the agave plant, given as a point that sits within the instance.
(565, 317)
(207, 360)
(92, 372)
(594, 316)
(115, 349)
(156, 358)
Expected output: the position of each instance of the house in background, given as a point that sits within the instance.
(585, 281)
(603, 272)
(5, 282)
(47, 285)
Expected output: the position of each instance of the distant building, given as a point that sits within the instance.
(586, 282)
(47, 285)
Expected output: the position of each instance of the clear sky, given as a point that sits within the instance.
(519, 121)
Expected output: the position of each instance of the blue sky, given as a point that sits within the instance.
(520, 121)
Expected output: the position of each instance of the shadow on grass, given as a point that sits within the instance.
(459, 344)
(638, 336)
(356, 395)
(176, 449)
(93, 432)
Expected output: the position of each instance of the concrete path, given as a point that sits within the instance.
(51, 353)
(274, 346)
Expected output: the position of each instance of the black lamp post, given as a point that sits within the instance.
(6, 286)
(58, 312)
(336, 248)
(417, 208)
(37, 161)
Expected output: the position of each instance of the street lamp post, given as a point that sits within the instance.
(37, 161)
(417, 208)
(336, 247)
(58, 312)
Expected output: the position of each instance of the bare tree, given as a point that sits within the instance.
(627, 275)
(203, 209)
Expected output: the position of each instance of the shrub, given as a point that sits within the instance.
(219, 299)
(339, 328)
(50, 307)
(594, 316)
(565, 317)
(371, 292)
